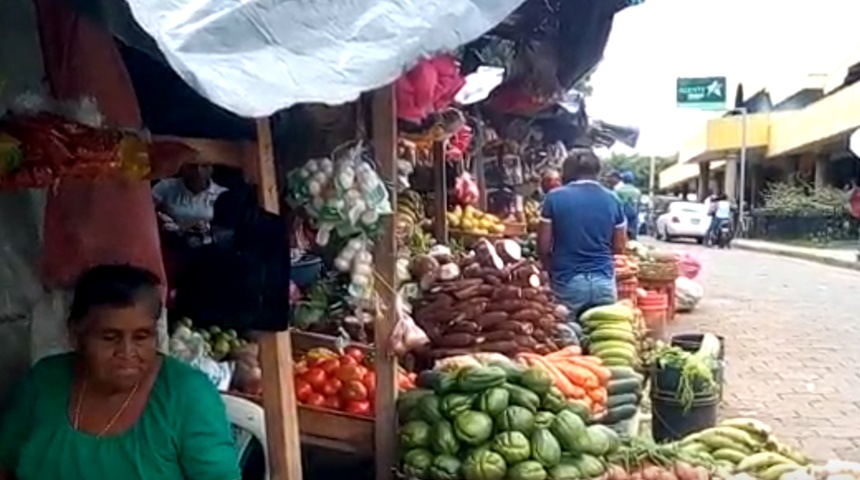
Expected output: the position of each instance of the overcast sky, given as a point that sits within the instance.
(763, 43)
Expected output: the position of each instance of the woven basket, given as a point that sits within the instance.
(658, 272)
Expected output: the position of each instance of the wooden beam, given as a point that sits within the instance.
(384, 119)
(440, 187)
(276, 353)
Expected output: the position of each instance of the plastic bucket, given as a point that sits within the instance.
(306, 271)
(670, 421)
(691, 342)
(655, 311)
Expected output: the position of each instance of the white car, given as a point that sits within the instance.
(684, 220)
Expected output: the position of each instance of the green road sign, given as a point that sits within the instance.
(705, 93)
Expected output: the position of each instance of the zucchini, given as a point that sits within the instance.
(612, 334)
(620, 413)
(623, 385)
(622, 399)
(596, 347)
(627, 354)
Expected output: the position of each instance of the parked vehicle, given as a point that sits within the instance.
(683, 220)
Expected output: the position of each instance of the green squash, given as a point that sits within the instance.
(443, 441)
(544, 419)
(445, 467)
(546, 449)
(454, 404)
(478, 379)
(473, 428)
(494, 401)
(416, 463)
(429, 410)
(528, 470)
(484, 465)
(514, 447)
(536, 380)
(516, 419)
(415, 434)
(568, 428)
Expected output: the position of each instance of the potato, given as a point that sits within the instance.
(617, 472)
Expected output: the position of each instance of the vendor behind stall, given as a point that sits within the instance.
(582, 225)
(115, 407)
(186, 203)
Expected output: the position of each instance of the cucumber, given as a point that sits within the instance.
(623, 385)
(619, 413)
(616, 362)
(622, 399)
(620, 373)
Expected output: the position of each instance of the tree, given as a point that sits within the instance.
(640, 165)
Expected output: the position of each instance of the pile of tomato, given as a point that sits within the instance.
(343, 382)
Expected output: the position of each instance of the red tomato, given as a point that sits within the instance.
(363, 371)
(315, 400)
(333, 403)
(316, 377)
(331, 387)
(329, 366)
(347, 361)
(303, 390)
(347, 373)
(356, 353)
(358, 408)
(354, 391)
(370, 382)
(313, 362)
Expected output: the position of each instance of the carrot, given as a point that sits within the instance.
(578, 375)
(598, 395)
(588, 403)
(602, 373)
(579, 393)
(566, 352)
(559, 379)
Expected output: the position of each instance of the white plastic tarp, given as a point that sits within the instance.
(255, 57)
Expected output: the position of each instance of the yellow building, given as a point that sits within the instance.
(805, 141)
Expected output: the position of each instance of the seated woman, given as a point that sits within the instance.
(115, 407)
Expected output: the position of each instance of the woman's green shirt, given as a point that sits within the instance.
(182, 434)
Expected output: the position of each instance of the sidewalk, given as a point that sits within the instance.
(837, 257)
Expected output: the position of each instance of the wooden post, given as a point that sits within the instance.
(385, 256)
(481, 180)
(276, 351)
(440, 187)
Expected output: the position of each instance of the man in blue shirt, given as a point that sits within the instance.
(582, 226)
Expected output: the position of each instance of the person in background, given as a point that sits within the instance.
(582, 226)
(722, 213)
(187, 203)
(115, 407)
(622, 185)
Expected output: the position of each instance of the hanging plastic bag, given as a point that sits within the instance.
(466, 189)
(407, 335)
(688, 265)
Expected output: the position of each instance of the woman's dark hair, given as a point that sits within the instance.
(579, 165)
(116, 286)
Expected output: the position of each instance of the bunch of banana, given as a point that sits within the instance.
(531, 210)
(410, 208)
(744, 445)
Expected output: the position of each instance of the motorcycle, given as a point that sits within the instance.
(723, 235)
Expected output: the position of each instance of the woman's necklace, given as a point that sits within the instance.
(119, 412)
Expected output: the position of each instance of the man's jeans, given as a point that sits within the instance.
(582, 292)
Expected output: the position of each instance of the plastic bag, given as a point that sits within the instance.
(407, 335)
(688, 294)
(688, 265)
(192, 348)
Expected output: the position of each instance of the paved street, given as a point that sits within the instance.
(793, 345)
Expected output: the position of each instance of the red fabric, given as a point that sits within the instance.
(855, 202)
(427, 88)
(92, 222)
(515, 99)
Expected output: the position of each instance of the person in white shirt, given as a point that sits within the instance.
(187, 203)
(720, 209)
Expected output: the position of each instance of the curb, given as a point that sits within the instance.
(833, 262)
